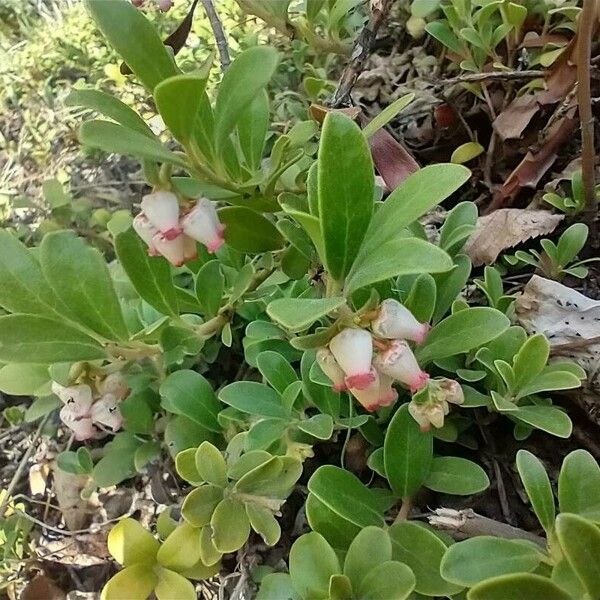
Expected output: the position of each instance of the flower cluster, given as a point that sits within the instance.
(168, 233)
(351, 363)
(85, 412)
(430, 405)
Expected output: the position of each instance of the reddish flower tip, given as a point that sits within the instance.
(172, 233)
(419, 382)
(360, 381)
(339, 387)
(423, 333)
(213, 246)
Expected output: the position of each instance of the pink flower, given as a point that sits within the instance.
(106, 412)
(77, 398)
(115, 384)
(399, 362)
(146, 231)
(330, 367)
(172, 249)
(162, 210)
(81, 426)
(353, 351)
(377, 394)
(202, 224)
(395, 321)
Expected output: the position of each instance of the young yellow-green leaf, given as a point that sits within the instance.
(79, 277)
(129, 544)
(199, 504)
(371, 547)
(181, 550)
(408, 454)
(466, 152)
(537, 485)
(211, 464)
(579, 485)
(249, 231)
(179, 101)
(580, 542)
(518, 586)
(297, 314)
(243, 81)
(461, 332)
(458, 476)
(312, 563)
(390, 579)
(19, 379)
(230, 525)
(151, 277)
(345, 189)
(340, 587)
(36, 339)
(134, 38)
(482, 557)
(136, 581)
(114, 138)
(276, 586)
(209, 555)
(263, 522)
(188, 393)
(110, 107)
(387, 114)
(173, 586)
(201, 571)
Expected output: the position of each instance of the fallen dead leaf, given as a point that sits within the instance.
(505, 228)
(512, 121)
(76, 511)
(42, 587)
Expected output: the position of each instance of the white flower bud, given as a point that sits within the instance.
(162, 210)
(114, 384)
(395, 321)
(331, 368)
(173, 250)
(387, 394)
(202, 224)
(416, 27)
(353, 350)
(77, 398)
(82, 427)
(377, 394)
(399, 362)
(106, 411)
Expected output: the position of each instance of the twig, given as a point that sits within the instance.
(491, 76)
(466, 523)
(21, 466)
(360, 52)
(219, 33)
(587, 21)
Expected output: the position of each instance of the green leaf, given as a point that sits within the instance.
(252, 127)
(550, 380)
(400, 256)
(181, 550)
(114, 138)
(547, 418)
(423, 8)
(338, 532)
(319, 426)
(408, 454)
(79, 277)
(129, 544)
(185, 465)
(230, 525)
(209, 286)
(277, 371)
(537, 485)
(422, 550)
(151, 277)
(249, 231)
(139, 580)
(421, 298)
(482, 557)
(312, 563)
(172, 585)
(461, 332)
(199, 504)
(242, 82)
(387, 114)
(340, 587)
(449, 285)
(35, 339)
(571, 242)
(182, 433)
(531, 359)
(442, 32)
(189, 394)
(19, 379)
(253, 398)
(466, 152)
(523, 586)
(458, 476)
(345, 191)
(117, 464)
(343, 493)
(390, 579)
(211, 465)
(263, 522)
(579, 486)
(110, 107)
(298, 314)
(276, 586)
(179, 101)
(134, 38)
(580, 541)
(40, 407)
(371, 547)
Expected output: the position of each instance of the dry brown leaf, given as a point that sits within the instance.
(76, 511)
(42, 587)
(506, 228)
(511, 122)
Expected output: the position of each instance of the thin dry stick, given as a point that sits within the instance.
(587, 23)
(217, 28)
(360, 52)
(491, 76)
